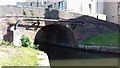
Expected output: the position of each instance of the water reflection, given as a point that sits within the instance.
(56, 52)
(87, 62)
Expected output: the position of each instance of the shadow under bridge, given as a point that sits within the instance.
(56, 40)
(56, 34)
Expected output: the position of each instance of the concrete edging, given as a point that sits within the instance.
(101, 48)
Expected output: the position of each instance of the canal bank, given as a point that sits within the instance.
(104, 49)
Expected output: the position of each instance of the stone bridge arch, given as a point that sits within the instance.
(58, 41)
(55, 34)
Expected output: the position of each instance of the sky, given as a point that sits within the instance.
(10, 2)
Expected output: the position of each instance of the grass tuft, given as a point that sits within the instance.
(107, 39)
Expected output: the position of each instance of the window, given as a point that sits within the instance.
(61, 5)
(32, 4)
(45, 2)
(90, 7)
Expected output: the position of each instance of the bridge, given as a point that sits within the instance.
(60, 36)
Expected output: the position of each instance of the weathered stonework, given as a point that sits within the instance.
(5, 29)
(81, 29)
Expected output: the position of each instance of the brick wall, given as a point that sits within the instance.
(6, 34)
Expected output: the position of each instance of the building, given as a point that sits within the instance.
(85, 6)
(51, 4)
(34, 3)
(112, 10)
(102, 9)
(119, 12)
(92, 8)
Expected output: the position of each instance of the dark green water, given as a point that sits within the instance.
(86, 62)
(65, 56)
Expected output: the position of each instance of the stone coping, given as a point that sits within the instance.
(101, 48)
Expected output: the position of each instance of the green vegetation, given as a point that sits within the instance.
(107, 39)
(25, 41)
(11, 55)
(24, 13)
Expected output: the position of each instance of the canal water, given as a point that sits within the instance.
(88, 59)
(86, 62)
(65, 56)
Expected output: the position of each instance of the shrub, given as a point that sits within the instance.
(24, 13)
(34, 46)
(25, 41)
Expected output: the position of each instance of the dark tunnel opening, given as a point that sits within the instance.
(55, 34)
(57, 41)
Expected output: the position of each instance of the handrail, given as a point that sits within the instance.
(16, 25)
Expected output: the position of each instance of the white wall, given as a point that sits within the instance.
(96, 7)
(110, 9)
(85, 6)
(100, 6)
(75, 6)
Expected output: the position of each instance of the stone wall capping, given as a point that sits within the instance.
(101, 48)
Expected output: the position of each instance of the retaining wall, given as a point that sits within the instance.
(107, 49)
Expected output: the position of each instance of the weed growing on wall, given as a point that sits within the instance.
(25, 41)
(24, 13)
